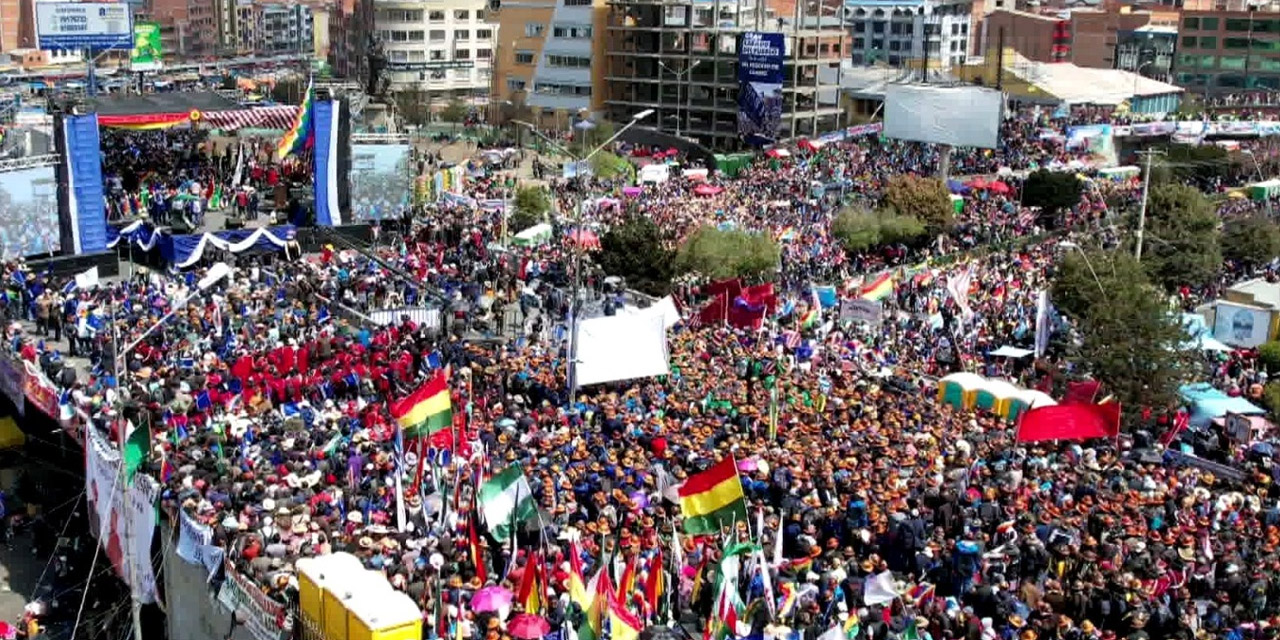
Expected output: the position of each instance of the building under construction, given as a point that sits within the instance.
(680, 58)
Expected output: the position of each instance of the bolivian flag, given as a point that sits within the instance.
(623, 625)
(425, 411)
(577, 584)
(713, 498)
(592, 627)
(880, 288)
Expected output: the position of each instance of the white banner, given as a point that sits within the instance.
(264, 618)
(102, 485)
(192, 538)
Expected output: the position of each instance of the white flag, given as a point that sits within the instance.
(1042, 323)
(958, 286)
(879, 589)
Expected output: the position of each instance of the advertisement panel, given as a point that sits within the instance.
(1241, 326)
(84, 25)
(264, 618)
(39, 391)
(958, 116)
(147, 50)
(760, 78)
(381, 187)
(13, 377)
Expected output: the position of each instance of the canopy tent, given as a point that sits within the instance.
(958, 389)
(1001, 397)
(1201, 336)
(1208, 403)
(535, 235)
(1264, 190)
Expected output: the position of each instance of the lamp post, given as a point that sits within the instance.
(1137, 75)
(216, 273)
(687, 92)
(579, 166)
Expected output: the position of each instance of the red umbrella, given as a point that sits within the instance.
(588, 239)
(999, 187)
(705, 189)
(978, 183)
(527, 626)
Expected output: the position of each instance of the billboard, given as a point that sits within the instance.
(380, 183)
(958, 116)
(760, 78)
(1241, 326)
(28, 213)
(84, 25)
(147, 51)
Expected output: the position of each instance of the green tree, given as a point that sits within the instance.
(859, 230)
(413, 106)
(454, 112)
(719, 254)
(1269, 356)
(289, 90)
(1182, 243)
(634, 250)
(925, 199)
(1202, 165)
(1252, 240)
(531, 205)
(1052, 191)
(1128, 336)
(607, 166)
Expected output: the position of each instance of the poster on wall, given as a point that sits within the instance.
(1241, 326)
(760, 78)
(130, 554)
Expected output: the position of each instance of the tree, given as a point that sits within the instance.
(289, 90)
(1128, 337)
(531, 205)
(1181, 245)
(718, 254)
(634, 250)
(413, 105)
(859, 230)
(607, 166)
(1202, 165)
(454, 112)
(1269, 356)
(925, 199)
(1252, 240)
(1053, 192)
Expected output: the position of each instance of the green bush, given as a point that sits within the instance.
(719, 254)
(1269, 356)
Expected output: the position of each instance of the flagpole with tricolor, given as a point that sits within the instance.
(423, 413)
(295, 139)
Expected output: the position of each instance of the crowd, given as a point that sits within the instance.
(269, 398)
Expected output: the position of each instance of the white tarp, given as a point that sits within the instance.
(958, 116)
(622, 347)
(664, 308)
(657, 172)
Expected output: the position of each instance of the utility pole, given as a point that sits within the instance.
(1146, 193)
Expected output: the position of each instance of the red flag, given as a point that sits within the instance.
(1070, 422)
(730, 288)
(1181, 420)
(715, 312)
(761, 294)
(1082, 392)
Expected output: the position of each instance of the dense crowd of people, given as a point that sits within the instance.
(269, 396)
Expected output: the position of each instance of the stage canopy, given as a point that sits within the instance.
(163, 110)
(186, 250)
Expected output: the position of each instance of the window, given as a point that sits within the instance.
(571, 31)
(1189, 42)
(515, 84)
(480, 15)
(437, 35)
(534, 29)
(1238, 24)
(577, 3)
(437, 54)
(859, 43)
(524, 57)
(399, 56)
(399, 36)
(1191, 23)
(417, 55)
(461, 34)
(484, 54)
(1209, 43)
(462, 54)
(1235, 43)
(1231, 62)
(1209, 24)
(484, 34)
(436, 16)
(573, 62)
(415, 36)
(461, 14)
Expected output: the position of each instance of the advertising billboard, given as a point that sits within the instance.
(958, 116)
(84, 25)
(147, 51)
(760, 78)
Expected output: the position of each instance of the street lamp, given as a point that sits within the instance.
(1137, 75)
(1067, 244)
(579, 167)
(687, 90)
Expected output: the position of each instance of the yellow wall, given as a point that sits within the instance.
(1013, 85)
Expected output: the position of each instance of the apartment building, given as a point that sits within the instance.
(910, 33)
(443, 48)
(549, 56)
(282, 28)
(188, 28)
(1091, 37)
(351, 23)
(1228, 47)
(680, 59)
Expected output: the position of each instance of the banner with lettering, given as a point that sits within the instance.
(13, 378)
(39, 391)
(110, 507)
(192, 538)
(265, 618)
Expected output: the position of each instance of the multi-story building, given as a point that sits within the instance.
(351, 24)
(282, 27)
(1147, 51)
(442, 48)
(910, 33)
(1086, 37)
(550, 56)
(187, 27)
(680, 59)
(1228, 48)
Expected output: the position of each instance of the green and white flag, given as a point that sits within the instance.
(506, 501)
